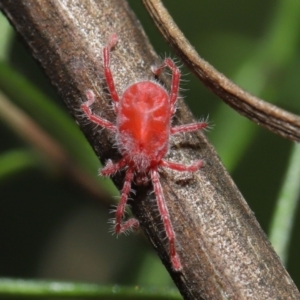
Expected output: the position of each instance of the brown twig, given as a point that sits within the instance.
(263, 113)
(225, 254)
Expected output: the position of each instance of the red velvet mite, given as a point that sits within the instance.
(143, 128)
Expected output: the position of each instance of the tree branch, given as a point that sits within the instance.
(263, 113)
(224, 252)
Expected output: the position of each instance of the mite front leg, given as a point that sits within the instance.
(168, 62)
(113, 39)
(93, 118)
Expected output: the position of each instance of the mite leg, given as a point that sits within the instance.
(175, 260)
(168, 62)
(188, 127)
(183, 168)
(107, 71)
(111, 168)
(93, 118)
(132, 223)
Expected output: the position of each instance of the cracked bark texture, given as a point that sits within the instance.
(224, 252)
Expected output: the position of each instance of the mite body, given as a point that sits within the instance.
(143, 129)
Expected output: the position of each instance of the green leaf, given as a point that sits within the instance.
(34, 288)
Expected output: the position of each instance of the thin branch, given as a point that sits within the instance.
(263, 113)
(223, 250)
